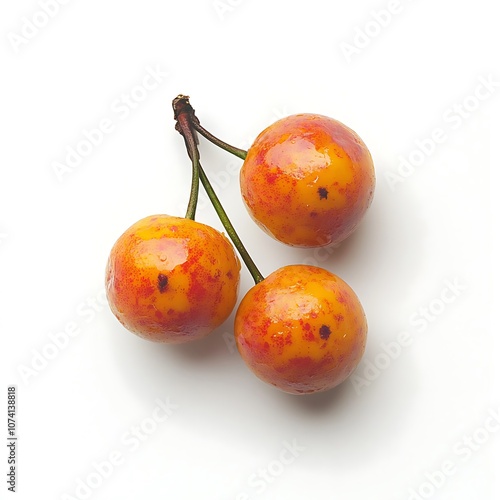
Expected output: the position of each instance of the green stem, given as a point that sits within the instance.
(181, 114)
(240, 153)
(252, 268)
(186, 119)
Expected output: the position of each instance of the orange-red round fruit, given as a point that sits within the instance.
(170, 279)
(301, 329)
(307, 180)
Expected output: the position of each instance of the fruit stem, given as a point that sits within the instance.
(183, 125)
(240, 153)
(186, 120)
(252, 268)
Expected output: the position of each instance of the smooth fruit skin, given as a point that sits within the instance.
(302, 329)
(307, 180)
(170, 279)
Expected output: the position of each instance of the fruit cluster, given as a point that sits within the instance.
(307, 180)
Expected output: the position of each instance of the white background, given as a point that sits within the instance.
(245, 64)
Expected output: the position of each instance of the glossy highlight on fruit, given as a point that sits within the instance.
(307, 180)
(171, 279)
(302, 329)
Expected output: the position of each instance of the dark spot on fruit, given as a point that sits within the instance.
(324, 332)
(313, 214)
(162, 282)
(323, 193)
